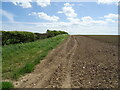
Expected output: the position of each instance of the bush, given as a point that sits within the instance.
(41, 36)
(7, 85)
(54, 33)
(13, 37)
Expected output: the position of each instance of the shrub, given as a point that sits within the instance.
(54, 33)
(13, 37)
(41, 36)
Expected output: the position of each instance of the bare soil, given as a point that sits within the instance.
(79, 62)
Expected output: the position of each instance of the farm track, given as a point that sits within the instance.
(79, 62)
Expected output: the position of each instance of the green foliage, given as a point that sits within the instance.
(19, 59)
(7, 85)
(13, 37)
(55, 33)
(41, 36)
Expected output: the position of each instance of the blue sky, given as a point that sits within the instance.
(73, 17)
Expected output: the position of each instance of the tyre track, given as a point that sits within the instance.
(67, 81)
(61, 77)
(58, 74)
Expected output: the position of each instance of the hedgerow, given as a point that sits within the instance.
(54, 33)
(13, 37)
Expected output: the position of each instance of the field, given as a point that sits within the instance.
(80, 62)
(18, 59)
(112, 39)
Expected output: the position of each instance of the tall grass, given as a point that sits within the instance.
(19, 59)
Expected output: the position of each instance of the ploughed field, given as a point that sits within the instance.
(79, 62)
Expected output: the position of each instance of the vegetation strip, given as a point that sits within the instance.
(13, 37)
(19, 59)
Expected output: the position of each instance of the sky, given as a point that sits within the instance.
(94, 18)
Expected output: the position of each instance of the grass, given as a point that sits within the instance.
(7, 85)
(19, 59)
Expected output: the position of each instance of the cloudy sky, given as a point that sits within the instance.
(100, 17)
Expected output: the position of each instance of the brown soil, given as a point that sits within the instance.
(80, 62)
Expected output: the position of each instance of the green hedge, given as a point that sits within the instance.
(41, 36)
(54, 33)
(12, 37)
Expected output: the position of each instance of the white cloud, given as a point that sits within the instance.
(10, 16)
(74, 20)
(60, 12)
(99, 22)
(86, 18)
(68, 10)
(27, 3)
(108, 1)
(68, 4)
(22, 3)
(44, 16)
(70, 13)
(111, 16)
(43, 3)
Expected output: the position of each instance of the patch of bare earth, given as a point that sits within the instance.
(79, 62)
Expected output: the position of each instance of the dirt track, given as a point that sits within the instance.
(79, 62)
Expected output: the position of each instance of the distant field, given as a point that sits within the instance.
(19, 59)
(113, 39)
